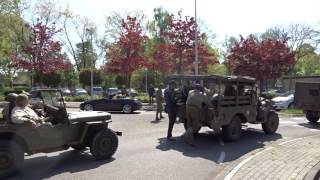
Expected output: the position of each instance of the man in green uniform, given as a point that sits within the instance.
(196, 101)
(159, 100)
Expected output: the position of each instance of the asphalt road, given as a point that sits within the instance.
(144, 153)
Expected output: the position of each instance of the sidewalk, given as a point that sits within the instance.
(292, 159)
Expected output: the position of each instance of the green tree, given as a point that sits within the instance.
(309, 64)
(14, 34)
(85, 77)
(85, 55)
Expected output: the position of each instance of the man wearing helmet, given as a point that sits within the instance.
(11, 98)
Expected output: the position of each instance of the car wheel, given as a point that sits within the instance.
(312, 116)
(88, 107)
(272, 123)
(232, 132)
(127, 109)
(11, 158)
(104, 144)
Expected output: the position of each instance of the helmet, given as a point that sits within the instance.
(11, 97)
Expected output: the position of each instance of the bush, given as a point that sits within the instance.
(2, 98)
(80, 98)
(143, 97)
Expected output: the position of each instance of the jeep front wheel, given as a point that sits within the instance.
(272, 123)
(312, 116)
(104, 144)
(232, 132)
(11, 158)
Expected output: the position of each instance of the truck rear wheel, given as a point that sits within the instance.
(272, 123)
(312, 116)
(104, 144)
(11, 158)
(232, 132)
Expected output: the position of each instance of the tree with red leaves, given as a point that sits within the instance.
(127, 54)
(265, 60)
(42, 55)
(181, 41)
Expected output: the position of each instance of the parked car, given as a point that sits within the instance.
(132, 92)
(110, 92)
(97, 91)
(66, 92)
(125, 105)
(284, 101)
(80, 92)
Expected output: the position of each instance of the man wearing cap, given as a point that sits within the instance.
(159, 100)
(21, 113)
(171, 107)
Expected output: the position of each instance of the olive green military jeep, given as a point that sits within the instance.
(77, 130)
(307, 97)
(234, 102)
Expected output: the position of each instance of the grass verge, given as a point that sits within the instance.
(293, 112)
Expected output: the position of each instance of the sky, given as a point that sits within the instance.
(223, 17)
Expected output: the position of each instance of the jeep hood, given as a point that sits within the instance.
(89, 116)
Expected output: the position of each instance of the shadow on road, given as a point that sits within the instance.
(311, 125)
(208, 146)
(66, 162)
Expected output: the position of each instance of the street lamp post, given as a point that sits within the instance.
(92, 64)
(196, 60)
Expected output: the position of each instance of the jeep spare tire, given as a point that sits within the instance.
(11, 158)
(104, 144)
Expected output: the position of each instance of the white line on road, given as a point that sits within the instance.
(298, 118)
(236, 169)
(315, 130)
(221, 157)
(287, 122)
(296, 125)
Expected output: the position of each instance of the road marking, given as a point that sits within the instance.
(298, 118)
(236, 169)
(296, 125)
(221, 157)
(315, 130)
(287, 122)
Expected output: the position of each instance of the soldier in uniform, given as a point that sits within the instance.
(171, 107)
(11, 98)
(159, 100)
(196, 101)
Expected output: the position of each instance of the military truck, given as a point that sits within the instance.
(64, 130)
(307, 97)
(231, 108)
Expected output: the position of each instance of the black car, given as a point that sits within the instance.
(120, 104)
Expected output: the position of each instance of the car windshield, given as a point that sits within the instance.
(53, 98)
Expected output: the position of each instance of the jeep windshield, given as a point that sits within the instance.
(52, 98)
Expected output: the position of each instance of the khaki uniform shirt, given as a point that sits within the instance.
(20, 115)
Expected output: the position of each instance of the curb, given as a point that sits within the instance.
(314, 174)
